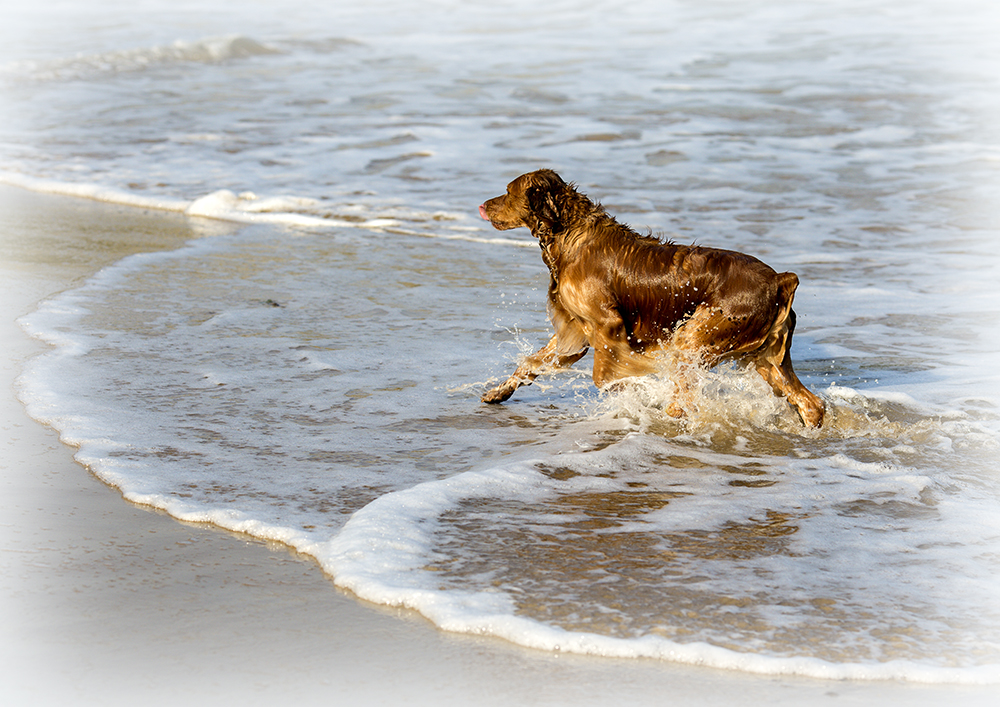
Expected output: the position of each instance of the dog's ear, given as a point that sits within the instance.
(543, 205)
(544, 198)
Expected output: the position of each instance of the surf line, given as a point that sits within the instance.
(246, 207)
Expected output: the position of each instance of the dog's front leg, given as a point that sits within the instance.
(546, 358)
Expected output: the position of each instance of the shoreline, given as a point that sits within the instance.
(104, 601)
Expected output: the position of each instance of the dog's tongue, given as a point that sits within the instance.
(482, 212)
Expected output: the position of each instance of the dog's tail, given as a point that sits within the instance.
(788, 282)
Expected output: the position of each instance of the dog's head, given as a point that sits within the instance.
(533, 200)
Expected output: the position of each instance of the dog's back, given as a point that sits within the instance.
(656, 286)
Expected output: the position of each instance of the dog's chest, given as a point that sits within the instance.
(582, 299)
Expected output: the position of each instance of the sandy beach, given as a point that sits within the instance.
(108, 603)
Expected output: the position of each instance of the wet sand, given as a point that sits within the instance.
(104, 602)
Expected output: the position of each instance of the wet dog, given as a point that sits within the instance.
(630, 297)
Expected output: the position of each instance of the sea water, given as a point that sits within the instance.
(313, 375)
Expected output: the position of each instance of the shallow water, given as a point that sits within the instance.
(314, 378)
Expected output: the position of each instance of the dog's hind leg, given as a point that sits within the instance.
(773, 359)
(774, 364)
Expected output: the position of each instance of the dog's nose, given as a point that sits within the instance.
(482, 211)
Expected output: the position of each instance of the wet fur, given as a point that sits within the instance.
(629, 296)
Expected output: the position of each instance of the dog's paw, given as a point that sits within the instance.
(675, 410)
(498, 395)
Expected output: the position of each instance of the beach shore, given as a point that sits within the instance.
(104, 602)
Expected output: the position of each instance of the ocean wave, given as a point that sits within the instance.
(391, 553)
(206, 50)
(284, 211)
(95, 192)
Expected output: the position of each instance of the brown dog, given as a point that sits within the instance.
(630, 296)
